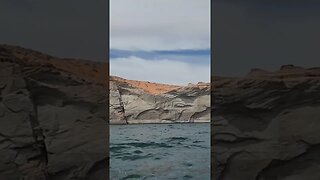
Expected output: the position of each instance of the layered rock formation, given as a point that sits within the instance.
(145, 102)
(266, 126)
(52, 117)
(53, 122)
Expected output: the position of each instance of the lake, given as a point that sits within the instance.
(160, 151)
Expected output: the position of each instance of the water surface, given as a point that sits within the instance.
(160, 151)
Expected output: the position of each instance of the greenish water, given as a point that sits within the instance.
(160, 151)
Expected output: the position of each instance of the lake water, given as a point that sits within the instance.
(160, 151)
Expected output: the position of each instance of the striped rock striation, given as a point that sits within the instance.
(144, 102)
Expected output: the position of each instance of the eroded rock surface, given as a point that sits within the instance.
(266, 126)
(130, 103)
(53, 122)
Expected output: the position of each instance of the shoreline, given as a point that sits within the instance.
(209, 122)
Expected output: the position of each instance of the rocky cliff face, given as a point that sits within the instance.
(145, 102)
(267, 125)
(52, 117)
(53, 122)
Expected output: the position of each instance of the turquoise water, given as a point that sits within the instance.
(160, 151)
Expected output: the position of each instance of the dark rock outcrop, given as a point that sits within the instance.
(266, 126)
(52, 117)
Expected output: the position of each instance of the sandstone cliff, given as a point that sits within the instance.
(53, 122)
(145, 102)
(267, 125)
(52, 117)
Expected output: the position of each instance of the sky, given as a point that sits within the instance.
(246, 34)
(160, 41)
(63, 28)
(264, 34)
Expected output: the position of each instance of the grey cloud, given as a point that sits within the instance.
(160, 24)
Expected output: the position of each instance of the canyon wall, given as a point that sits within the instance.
(53, 122)
(267, 125)
(144, 102)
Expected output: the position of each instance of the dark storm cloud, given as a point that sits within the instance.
(264, 34)
(72, 28)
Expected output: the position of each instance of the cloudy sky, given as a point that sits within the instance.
(246, 34)
(166, 41)
(264, 34)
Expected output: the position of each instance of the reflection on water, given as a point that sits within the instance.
(160, 151)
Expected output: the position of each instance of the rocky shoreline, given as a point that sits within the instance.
(137, 123)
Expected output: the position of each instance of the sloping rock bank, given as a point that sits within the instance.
(131, 104)
(52, 117)
(266, 126)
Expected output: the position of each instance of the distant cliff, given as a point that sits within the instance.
(145, 102)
